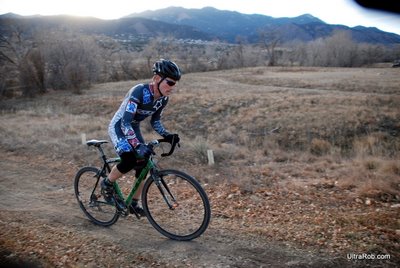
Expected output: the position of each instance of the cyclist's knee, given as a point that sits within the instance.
(128, 161)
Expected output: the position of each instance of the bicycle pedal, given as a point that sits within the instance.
(120, 204)
(122, 209)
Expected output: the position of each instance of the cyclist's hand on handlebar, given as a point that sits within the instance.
(172, 138)
(144, 150)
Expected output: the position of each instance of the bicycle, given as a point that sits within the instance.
(174, 202)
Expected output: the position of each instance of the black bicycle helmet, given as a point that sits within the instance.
(167, 68)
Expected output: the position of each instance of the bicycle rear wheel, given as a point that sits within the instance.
(182, 210)
(91, 201)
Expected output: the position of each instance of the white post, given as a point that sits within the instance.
(210, 156)
(83, 137)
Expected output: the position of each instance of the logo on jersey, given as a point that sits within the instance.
(144, 112)
(146, 96)
(131, 107)
(158, 104)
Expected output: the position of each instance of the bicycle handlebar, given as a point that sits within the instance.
(154, 143)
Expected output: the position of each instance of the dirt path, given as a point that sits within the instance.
(42, 224)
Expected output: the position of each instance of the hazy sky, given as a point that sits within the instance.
(344, 12)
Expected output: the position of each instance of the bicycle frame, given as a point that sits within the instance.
(143, 174)
(150, 165)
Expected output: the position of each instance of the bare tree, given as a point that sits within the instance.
(72, 62)
(21, 58)
(239, 52)
(13, 43)
(316, 53)
(150, 52)
(340, 50)
(269, 40)
(370, 53)
(127, 66)
(8, 53)
(8, 66)
(32, 76)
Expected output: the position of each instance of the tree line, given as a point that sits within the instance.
(33, 63)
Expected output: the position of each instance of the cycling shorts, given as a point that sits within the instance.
(129, 161)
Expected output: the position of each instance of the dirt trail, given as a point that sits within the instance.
(41, 223)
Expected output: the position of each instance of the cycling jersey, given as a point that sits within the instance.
(139, 103)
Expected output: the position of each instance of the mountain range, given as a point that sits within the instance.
(227, 25)
(203, 24)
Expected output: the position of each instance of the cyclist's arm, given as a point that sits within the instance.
(156, 120)
(127, 119)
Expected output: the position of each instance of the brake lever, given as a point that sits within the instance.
(172, 150)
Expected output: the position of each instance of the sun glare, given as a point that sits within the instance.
(87, 8)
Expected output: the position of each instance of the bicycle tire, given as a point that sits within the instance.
(191, 216)
(91, 201)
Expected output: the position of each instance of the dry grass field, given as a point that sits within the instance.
(326, 181)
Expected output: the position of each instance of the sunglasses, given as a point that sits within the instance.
(170, 83)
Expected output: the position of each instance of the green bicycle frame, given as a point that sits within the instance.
(138, 181)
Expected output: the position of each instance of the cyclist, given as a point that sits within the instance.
(141, 101)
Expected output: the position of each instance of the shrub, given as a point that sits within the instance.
(319, 147)
(199, 148)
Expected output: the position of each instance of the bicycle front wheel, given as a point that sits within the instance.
(91, 201)
(176, 205)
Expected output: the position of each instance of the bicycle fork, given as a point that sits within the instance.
(169, 197)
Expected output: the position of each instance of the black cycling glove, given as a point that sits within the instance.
(172, 138)
(144, 151)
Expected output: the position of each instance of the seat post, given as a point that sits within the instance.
(102, 154)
